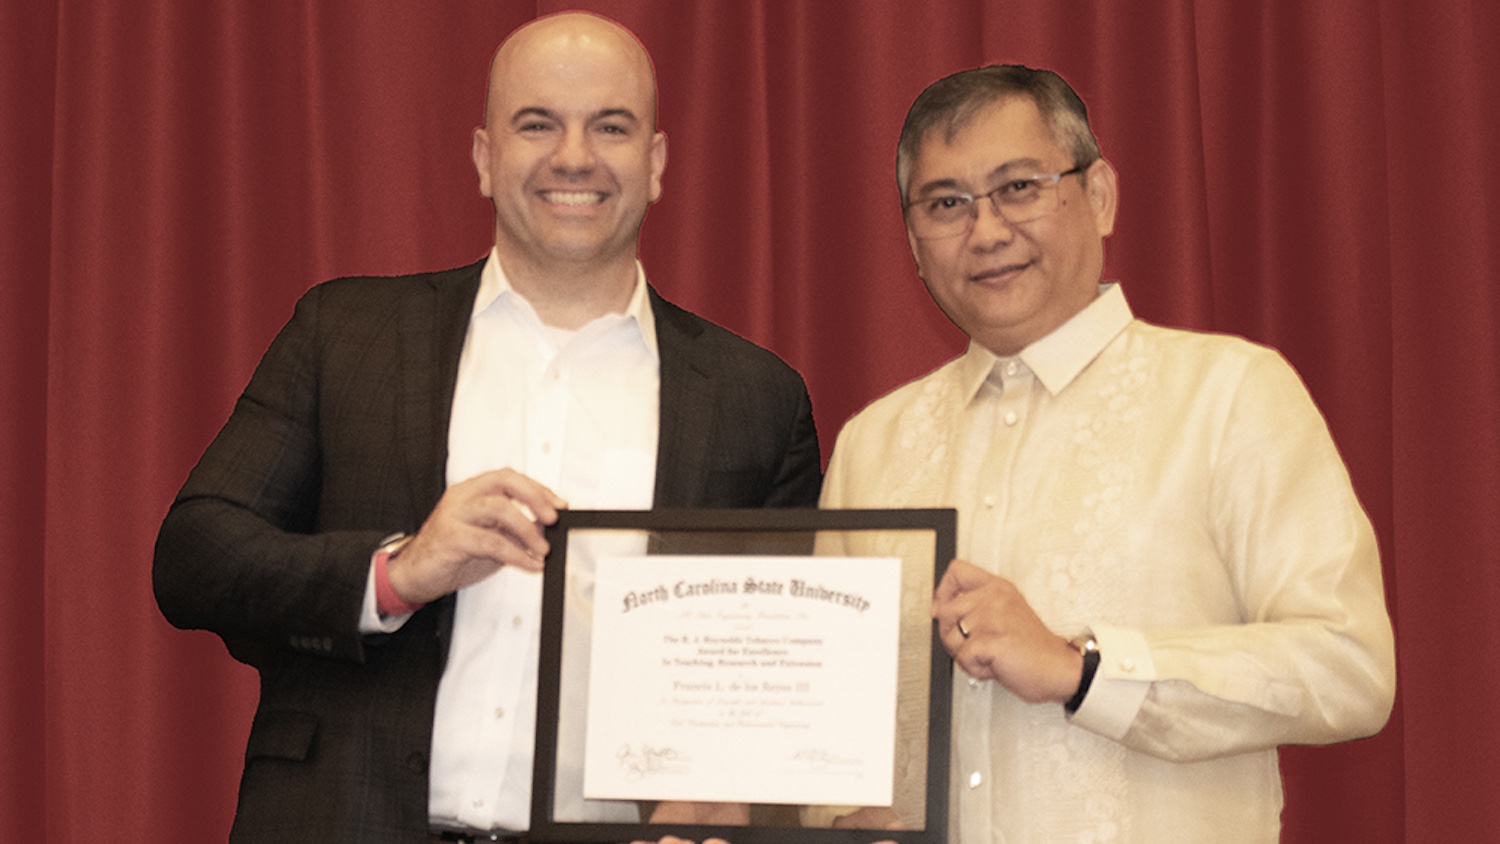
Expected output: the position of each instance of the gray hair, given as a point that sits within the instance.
(950, 102)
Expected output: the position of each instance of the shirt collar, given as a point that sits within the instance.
(495, 286)
(1059, 357)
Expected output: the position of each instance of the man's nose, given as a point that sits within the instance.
(990, 226)
(574, 152)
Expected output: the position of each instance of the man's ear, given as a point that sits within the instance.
(658, 163)
(916, 256)
(481, 155)
(1103, 190)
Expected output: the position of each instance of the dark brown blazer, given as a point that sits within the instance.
(339, 439)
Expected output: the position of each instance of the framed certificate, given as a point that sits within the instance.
(779, 666)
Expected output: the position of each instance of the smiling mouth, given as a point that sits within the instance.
(999, 272)
(573, 197)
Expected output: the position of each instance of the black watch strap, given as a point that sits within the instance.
(1090, 651)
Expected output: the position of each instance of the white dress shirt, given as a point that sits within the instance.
(1178, 495)
(577, 412)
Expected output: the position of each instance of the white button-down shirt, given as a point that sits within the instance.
(577, 412)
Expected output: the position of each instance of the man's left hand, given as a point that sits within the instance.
(1001, 637)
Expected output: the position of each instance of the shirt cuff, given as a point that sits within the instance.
(1125, 673)
(370, 619)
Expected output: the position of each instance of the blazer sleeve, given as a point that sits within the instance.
(799, 478)
(242, 551)
(736, 421)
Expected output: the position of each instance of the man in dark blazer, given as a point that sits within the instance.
(279, 540)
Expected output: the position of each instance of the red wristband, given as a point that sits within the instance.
(387, 602)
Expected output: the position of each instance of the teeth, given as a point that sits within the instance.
(578, 197)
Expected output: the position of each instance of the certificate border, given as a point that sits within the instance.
(941, 522)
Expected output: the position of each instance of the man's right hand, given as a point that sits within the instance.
(488, 521)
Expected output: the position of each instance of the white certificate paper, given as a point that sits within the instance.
(743, 679)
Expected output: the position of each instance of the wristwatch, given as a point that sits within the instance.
(1088, 647)
(392, 545)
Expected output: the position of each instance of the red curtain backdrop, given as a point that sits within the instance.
(1317, 176)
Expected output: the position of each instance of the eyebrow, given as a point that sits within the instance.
(1001, 173)
(602, 114)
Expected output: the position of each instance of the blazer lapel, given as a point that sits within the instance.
(433, 329)
(686, 413)
(432, 339)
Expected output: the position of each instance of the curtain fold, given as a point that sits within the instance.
(27, 86)
(1319, 177)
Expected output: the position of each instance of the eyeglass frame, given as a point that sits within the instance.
(995, 204)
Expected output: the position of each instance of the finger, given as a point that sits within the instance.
(963, 576)
(954, 641)
(966, 615)
(972, 661)
(504, 515)
(947, 588)
(960, 579)
(501, 547)
(950, 610)
(540, 502)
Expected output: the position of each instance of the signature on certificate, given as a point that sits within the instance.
(819, 761)
(646, 761)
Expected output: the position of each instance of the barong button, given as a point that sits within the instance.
(1127, 664)
(975, 779)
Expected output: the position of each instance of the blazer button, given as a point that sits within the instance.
(417, 762)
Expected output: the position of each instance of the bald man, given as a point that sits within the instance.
(366, 530)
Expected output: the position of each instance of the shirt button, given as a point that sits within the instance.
(1011, 418)
(517, 622)
(973, 684)
(989, 501)
(546, 448)
(1011, 368)
(499, 712)
(1127, 664)
(976, 779)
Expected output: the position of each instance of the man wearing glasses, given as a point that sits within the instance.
(1163, 571)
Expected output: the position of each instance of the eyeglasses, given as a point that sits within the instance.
(1015, 201)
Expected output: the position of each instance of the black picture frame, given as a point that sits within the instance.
(926, 540)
